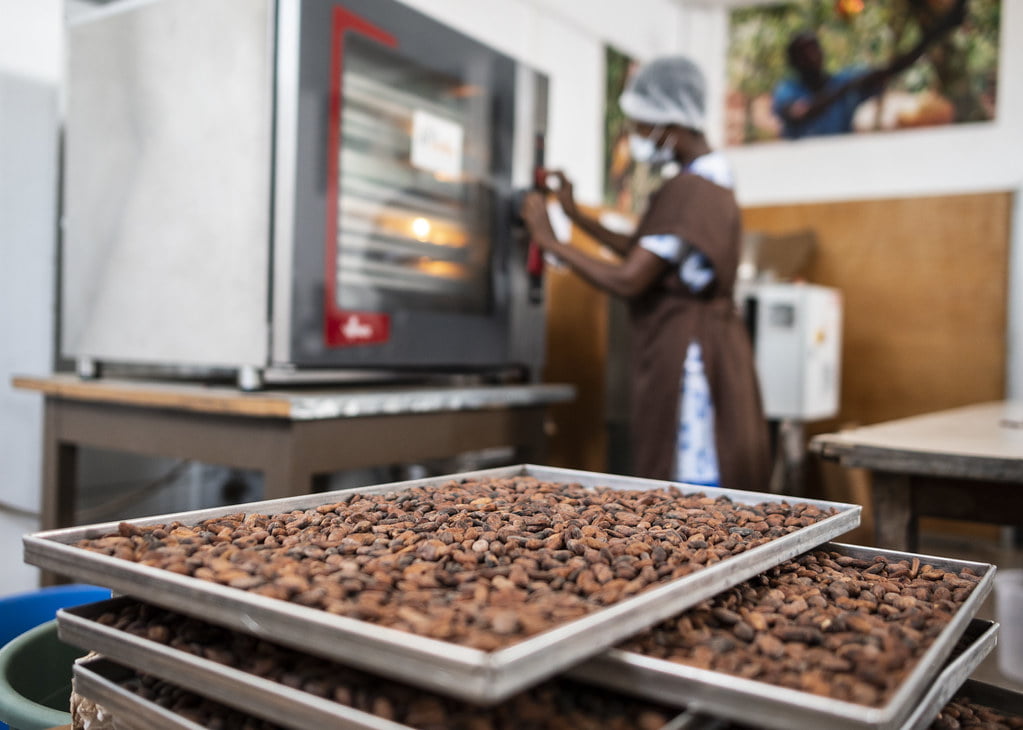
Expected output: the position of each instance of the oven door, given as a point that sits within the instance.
(396, 141)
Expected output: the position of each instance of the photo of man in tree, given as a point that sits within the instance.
(812, 68)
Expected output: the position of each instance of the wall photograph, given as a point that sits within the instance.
(808, 68)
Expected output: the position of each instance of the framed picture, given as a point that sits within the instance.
(807, 68)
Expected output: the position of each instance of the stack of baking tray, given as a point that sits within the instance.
(579, 650)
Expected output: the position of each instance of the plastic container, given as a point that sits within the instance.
(1009, 612)
(23, 611)
(35, 679)
(35, 666)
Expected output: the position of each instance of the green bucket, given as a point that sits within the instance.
(35, 679)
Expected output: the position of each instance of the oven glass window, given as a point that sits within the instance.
(413, 206)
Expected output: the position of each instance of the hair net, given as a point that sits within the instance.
(666, 91)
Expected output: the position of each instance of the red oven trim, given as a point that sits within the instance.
(344, 328)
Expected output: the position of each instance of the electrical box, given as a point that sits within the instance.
(797, 341)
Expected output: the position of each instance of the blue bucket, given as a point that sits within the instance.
(35, 667)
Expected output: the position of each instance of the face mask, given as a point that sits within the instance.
(644, 149)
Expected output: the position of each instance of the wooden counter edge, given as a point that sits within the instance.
(827, 446)
(123, 393)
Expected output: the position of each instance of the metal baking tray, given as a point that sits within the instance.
(447, 668)
(954, 680)
(767, 705)
(997, 698)
(98, 679)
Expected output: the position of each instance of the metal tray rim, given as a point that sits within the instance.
(488, 677)
(870, 716)
(994, 696)
(948, 682)
(91, 684)
(305, 501)
(925, 671)
(199, 675)
(203, 675)
(350, 718)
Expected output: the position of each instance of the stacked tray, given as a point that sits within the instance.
(979, 698)
(109, 685)
(301, 693)
(460, 671)
(108, 682)
(923, 690)
(501, 674)
(153, 704)
(918, 697)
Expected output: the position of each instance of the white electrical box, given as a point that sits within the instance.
(797, 343)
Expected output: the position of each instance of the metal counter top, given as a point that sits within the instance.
(299, 403)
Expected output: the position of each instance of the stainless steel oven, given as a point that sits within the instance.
(293, 188)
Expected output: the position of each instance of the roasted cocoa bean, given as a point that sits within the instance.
(824, 623)
(962, 712)
(553, 705)
(586, 548)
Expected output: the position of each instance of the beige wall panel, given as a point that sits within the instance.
(577, 337)
(924, 282)
(925, 286)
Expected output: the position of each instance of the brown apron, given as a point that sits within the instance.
(667, 317)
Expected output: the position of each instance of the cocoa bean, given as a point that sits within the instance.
(847, 628)
(532, 542)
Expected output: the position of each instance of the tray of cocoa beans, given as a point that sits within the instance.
(840, 637)
(358, 701)
(982, 706)
(476, 585)
(110, 696)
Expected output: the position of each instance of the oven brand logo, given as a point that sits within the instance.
(356, 329)
(361, 328)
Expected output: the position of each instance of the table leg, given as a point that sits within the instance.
(60, 472)
(59, 482)
(895, 524)
(788, 474)
(283, 474)
(532, 442)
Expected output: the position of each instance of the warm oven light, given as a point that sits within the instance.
(441, 269)
(421, 229)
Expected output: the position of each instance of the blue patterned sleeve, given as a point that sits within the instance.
(694, 268)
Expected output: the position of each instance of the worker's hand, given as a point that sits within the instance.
(562, 191)
(534, 215)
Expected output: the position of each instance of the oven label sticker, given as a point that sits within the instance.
(437, 144)
(362, 328)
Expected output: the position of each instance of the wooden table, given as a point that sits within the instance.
(965, 463)
(293, 437)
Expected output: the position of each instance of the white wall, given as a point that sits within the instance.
(30, 60)
(566, 40)
(951, 160)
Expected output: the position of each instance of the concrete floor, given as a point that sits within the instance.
(15, 575)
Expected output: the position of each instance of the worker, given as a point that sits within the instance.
(815, 102)
(677, 273)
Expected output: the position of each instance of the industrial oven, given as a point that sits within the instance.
(293, 189)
